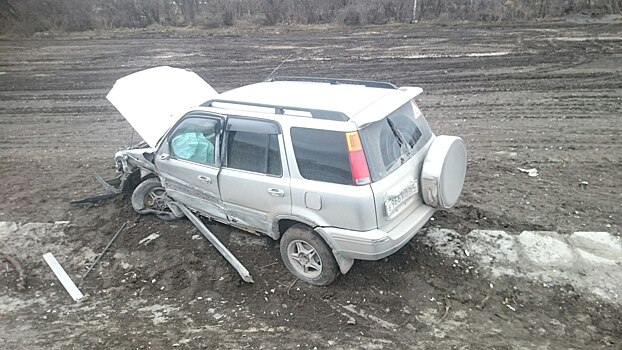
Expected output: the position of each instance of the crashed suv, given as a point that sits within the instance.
(335, 169)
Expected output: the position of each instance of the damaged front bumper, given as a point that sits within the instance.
(133, 164)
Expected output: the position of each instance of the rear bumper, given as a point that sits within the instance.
(375, 244)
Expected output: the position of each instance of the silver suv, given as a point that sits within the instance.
(336, 169)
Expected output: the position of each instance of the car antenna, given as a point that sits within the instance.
(279, 66)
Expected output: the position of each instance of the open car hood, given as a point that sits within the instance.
(154, 99)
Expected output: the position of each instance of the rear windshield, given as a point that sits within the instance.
(391, 141)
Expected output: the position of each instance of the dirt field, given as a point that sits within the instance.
(545, 97)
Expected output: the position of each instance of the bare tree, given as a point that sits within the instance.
(29, 16)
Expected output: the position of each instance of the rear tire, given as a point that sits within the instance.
(307, 256)
(148, 197)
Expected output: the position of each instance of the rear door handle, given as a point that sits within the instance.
(276, 192)
(204, 178)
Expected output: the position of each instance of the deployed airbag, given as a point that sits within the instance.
(193, 146)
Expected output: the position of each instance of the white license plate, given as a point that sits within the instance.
(393, 204)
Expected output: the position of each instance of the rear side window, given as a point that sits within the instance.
(322, 155)
(391, 141)
(256, 152)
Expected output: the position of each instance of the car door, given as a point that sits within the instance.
(188, 162)
(254, 183)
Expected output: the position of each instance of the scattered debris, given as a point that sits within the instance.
(102, 253)
(510, 307)
(481, 303)
(148, 239)
(63, 277)
(583, 185)
(20, 281)
(533, 172)
(351, 320)
(447, 307)
(291, 285)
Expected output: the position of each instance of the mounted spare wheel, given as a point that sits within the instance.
(443, 172)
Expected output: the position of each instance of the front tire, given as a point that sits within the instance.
(149, 197)
(307, 256)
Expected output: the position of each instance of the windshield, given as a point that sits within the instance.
(391, 141)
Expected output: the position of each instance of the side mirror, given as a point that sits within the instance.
(149, 157)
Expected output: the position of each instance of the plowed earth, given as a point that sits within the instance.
(544, 96)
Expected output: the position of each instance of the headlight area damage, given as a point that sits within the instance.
(125, 182)
(152, 101)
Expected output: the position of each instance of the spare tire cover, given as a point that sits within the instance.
(443, 172)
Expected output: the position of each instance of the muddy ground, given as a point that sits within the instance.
(543, 96)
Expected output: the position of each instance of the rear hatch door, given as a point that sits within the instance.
(395, 148)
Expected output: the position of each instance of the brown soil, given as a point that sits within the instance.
(545, 97)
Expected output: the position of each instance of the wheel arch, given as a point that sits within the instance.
(282, 224)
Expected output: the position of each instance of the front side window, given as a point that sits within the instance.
(254, 151)
(391, 141)
(322, 155)
(194, 140)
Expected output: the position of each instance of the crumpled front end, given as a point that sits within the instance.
(137, 158)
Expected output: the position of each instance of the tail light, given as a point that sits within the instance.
(358, 163)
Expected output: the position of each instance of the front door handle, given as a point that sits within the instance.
(205, 179)
(164, 156)
(276, 192)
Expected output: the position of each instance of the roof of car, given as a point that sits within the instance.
(347, 99)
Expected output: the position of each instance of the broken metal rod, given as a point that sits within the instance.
(102, 253)
(113, 187)
(96, 198)
(217, 244)
(107, 186)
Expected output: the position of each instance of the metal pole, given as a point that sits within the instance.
(102, 253)
(217, 244)
(414, 19)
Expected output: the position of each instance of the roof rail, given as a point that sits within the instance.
(315, 113)
(334, 81)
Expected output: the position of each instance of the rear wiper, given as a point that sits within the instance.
(400, 139)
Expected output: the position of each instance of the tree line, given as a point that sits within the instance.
(29, 16)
